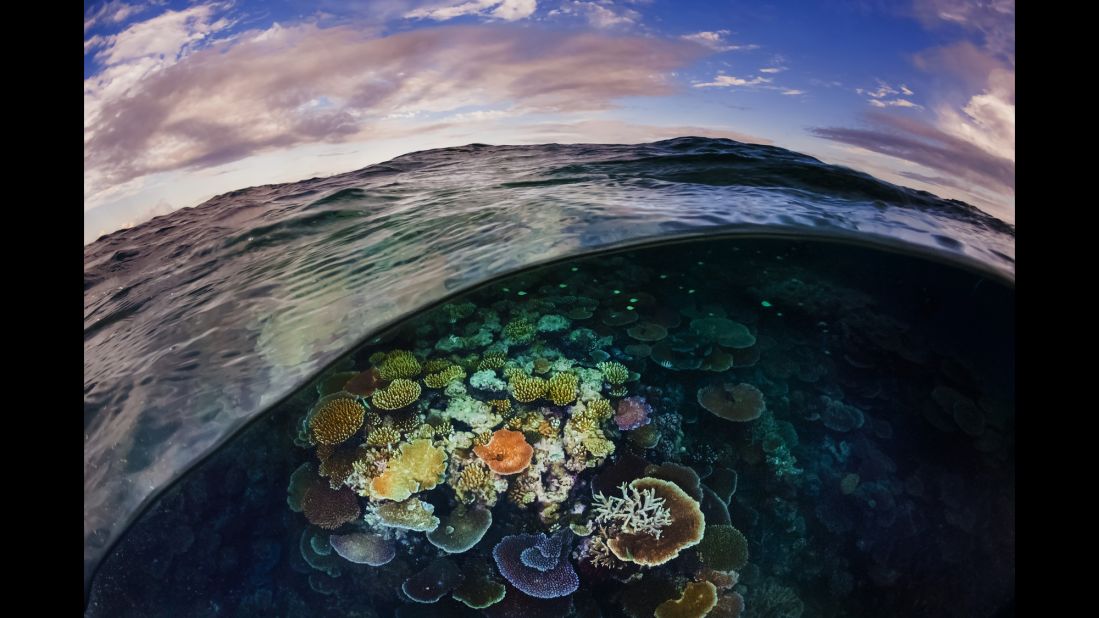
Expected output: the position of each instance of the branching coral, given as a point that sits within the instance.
(562, 388)
(525, 388)
(635, 512)
(685, 530)
(399, 364)
(614, 373)
(400, 393)
(335, 419)
(441, 378)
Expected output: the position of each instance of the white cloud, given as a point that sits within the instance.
(113, 12)
(507, 10)
(599, 14)
(792, 92)
(726, 81)
(894, 103)
(772, 69)
(716, 40)
(988, 119)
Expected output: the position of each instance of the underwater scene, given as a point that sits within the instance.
(764, 426)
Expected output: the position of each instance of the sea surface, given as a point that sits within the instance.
(197, 322)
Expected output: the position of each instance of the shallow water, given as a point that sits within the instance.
(197, 321)
(877, 479)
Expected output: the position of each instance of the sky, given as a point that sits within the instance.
(187, 100)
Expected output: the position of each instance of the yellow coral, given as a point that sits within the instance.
(399, 394)
(441, 378)
(474, 483)
(519, 331)
(562, 388)
(510, 372)
(600, 410)
(399, 364)
(503, 406)
(492, 360)
(523, 490)
(526, 389)
(382, 436)
(482, 438)
(417, 466)
(614, 372)
(435, 365)
(619, 391)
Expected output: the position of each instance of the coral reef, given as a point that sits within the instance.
(506, 453)
(335, 419)
(537, 565)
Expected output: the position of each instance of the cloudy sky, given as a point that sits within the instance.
(185, 100)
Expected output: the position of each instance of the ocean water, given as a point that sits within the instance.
(200, 322)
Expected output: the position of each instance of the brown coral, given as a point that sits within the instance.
(739, 403)
(647, 332)
(399, 394)
(365, 383)
(329, 508)
(506, 453)
(335, 420)
(686, 530)
(697, 601)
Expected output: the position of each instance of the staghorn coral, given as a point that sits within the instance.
(525, 388)
(399, 364)
(614, 373)
(445, 376)
(335, 419)
(417, 466)
(697, 601)
(636, 512)
(685, 530)
(400, 393)
(412, 514)
(506, 453)
(329, 508)
(563, 388)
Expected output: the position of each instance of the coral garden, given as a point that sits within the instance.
(659, 434)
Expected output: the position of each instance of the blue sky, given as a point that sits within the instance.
(185, 100)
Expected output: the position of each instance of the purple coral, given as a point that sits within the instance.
(632, 412)
(537, 565)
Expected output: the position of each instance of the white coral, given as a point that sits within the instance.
(636, 512)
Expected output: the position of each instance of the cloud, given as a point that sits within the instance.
(727, 81)
(599, 14)
(112, 12)
(792, 92)
(923, 143)
(993, 19)
(878, 96)
(772, 69)
(507, 10)
(716, 40)
(270, 90)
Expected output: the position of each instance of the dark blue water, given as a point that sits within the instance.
(198, 321)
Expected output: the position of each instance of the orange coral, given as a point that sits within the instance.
(506, 453)
(336, 420)
(417, 466)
